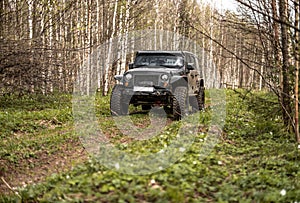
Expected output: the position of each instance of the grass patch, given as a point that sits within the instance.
(30, 124)
(30, 114)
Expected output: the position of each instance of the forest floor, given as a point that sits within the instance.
(43, 159)
(36, 140)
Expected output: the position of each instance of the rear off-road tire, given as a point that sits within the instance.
(201, 98)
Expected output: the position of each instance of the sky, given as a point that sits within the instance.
(222, 4)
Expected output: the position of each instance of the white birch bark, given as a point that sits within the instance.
(108, 61)
(120, 41)
(50, 67)
(43, 71)
(30, 19)
(211, 47)
(89, 43)
(261, 73)
(30, 24)
(98, 28)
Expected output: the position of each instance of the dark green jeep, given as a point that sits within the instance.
(169, 79)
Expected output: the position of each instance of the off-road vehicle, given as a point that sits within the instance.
(169, 79)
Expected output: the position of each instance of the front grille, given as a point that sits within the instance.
(146, 80)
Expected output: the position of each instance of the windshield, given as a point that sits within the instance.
(171, 61)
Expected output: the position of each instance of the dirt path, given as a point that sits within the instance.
(35, 170)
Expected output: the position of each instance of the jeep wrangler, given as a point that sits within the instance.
(169, 79)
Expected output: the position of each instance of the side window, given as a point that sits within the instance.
(193, 61)
(197, 63)
(188, 58)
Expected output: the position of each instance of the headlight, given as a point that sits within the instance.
(128, 76)
(165, 77)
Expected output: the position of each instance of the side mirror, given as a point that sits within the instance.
(131, 66)
(190, 66)
(118, 77)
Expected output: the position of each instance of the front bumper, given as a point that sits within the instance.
(159, 96)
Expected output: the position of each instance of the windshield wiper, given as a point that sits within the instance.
(138, 66)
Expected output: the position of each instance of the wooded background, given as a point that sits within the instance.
(43, 43)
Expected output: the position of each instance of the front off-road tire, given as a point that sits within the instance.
(118, 104)
(179, 102)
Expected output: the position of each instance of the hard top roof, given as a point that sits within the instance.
(163, 52)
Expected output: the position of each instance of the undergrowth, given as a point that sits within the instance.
(256, 160)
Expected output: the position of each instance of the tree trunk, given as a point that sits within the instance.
(285, 92)
(125, 38)
(109, 54)
(297, 37)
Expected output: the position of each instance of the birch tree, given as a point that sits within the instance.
(109, 52)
